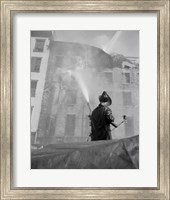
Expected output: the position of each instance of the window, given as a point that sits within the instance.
(129, 127)
(109, 77)
(127, 77)
(71, 97)
(35, 64)
(39, 45)
(33, 87)
(127, 98)
(70, 125)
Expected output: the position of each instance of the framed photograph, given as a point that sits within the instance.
(85, 100)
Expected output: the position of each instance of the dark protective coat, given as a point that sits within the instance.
(101, 118)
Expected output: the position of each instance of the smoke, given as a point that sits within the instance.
(83, 65)
(90, 83)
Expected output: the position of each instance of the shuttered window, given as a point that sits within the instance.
(39, 45)
(35, 64)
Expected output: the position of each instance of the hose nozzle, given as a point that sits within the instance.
(124, 118)
(89, 107)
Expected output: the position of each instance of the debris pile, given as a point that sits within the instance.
(111, 154)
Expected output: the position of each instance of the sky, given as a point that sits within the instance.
(121, 42)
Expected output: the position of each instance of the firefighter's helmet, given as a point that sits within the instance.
(105, 98)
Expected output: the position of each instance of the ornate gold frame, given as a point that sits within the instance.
(161, 7)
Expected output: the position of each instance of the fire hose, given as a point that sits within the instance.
(89, 108)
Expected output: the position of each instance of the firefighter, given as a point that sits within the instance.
(101, 118)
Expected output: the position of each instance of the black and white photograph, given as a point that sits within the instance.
(84, 99)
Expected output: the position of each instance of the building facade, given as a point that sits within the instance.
(39, 60)
(63, 111)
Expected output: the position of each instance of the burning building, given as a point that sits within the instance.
(76, 75)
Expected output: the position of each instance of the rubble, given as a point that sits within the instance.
(112, 154)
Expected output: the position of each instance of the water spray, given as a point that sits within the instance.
(78, 75)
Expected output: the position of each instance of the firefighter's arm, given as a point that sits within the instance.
(114, 125)
(109, 117)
